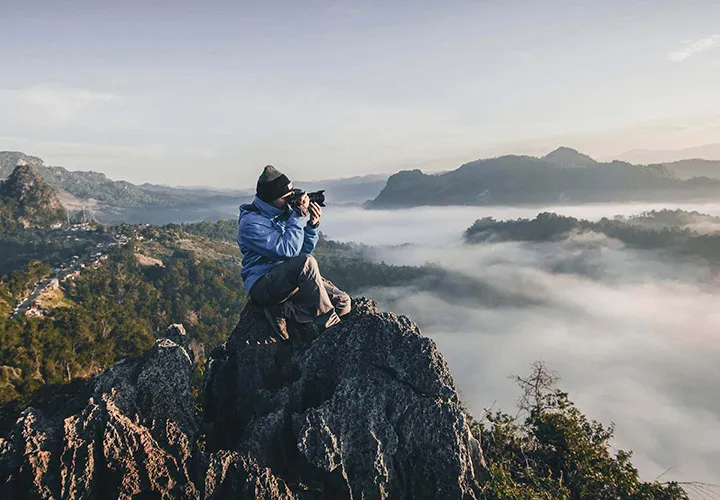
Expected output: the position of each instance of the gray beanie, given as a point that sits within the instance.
(272, 184)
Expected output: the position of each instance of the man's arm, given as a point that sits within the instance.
(311, 234)
(311, 239)
(260, 235)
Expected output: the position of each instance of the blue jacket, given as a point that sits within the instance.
(268, 236)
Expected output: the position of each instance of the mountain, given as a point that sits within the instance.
(94, 185)
(11, 159)
(568, 157)
(648, 156)
(30, 201)
(687, 169)
(563, 176)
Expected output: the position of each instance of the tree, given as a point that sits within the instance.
(552, 451)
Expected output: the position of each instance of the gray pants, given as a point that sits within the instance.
(312, 298)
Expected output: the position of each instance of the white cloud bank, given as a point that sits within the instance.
(634, 336)
(693, 48)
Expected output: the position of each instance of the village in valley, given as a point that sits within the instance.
(96, 244)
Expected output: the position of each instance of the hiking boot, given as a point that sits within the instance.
(327, 320)
(276, 319)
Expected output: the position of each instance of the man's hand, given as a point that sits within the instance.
(302, 204)
(315, 213)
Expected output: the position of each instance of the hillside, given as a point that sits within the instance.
(687, 169)
(563, 176)
(27, 201)
(678, 234)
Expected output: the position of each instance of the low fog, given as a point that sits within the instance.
(633, 336)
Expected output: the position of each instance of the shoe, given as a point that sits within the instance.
(327, 320)
(277, 322)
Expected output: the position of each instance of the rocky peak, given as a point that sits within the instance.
(367, 409)
(568, 157)
(32, 201)
(10, 159)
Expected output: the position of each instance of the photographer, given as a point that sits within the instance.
(277, 234)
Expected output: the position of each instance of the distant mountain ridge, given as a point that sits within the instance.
(92, 185)
(562, 176)
(648, 156)
(120, 201)
(695, 167)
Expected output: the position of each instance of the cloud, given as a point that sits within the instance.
(690, 49)
(47, 103)
(632, 334)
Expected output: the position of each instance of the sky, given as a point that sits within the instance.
(207, 93)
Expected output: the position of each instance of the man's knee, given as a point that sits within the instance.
(307, 264)
(301, 264)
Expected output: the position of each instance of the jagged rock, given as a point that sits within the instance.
(133, 436)
(177, 334)
(367, 409)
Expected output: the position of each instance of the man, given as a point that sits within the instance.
(279, 272)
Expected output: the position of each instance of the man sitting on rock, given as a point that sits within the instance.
(279, 272)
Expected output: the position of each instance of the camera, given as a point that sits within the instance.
(317, 197)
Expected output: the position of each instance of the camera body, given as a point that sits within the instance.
(316, 196)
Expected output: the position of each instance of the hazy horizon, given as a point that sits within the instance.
(205, 95)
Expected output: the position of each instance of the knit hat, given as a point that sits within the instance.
(272, 184)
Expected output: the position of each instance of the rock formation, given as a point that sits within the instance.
(367, 409)
(30, 200)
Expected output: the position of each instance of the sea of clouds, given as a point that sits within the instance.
(634, 336)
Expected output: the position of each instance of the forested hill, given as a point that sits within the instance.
(678, 233)
(27, 201)
(563, 176)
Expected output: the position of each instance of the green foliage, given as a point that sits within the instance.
(667, 230)
(21, 280)
(553, 451)
(121, 308)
